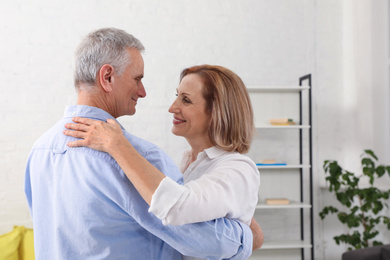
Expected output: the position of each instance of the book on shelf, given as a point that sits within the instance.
(269, 162)
(277, 201)
(282, 121)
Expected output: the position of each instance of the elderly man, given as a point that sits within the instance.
(82, 204)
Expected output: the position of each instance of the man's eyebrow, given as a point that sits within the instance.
(139, 76)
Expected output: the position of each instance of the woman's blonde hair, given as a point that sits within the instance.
(227, 99)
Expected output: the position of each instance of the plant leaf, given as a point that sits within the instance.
(380, 170)
(327, 210)
(370, 152)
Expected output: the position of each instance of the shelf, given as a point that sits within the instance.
(276, 88)
(292, 205)
(285, 244)
(283, 127)
(295, 102)
(272, 167)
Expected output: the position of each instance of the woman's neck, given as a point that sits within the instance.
(198, 147)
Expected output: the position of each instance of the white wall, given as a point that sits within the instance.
(264, 41)
(352, 98)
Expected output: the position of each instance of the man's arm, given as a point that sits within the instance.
(217, 239)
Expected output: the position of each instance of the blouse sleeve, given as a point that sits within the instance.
(231, 191)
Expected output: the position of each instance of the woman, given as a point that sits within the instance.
(214, 113)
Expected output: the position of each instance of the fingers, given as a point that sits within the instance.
(77, 134)
(77, 127)
(88, 122)
(114, 124)
(77, 143)
(94, 134)
(83, 120)
(112, 121)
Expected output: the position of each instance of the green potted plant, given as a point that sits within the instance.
(363, 205)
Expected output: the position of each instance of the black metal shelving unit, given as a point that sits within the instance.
(305, 129)
(301, 80)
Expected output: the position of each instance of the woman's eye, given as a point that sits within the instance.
(186, 100)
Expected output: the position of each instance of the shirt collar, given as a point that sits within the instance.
(214, 152)
(89, 112)
(211, 153)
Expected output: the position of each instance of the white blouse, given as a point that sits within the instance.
(218, 184)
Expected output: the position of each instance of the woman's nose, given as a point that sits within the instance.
(173, 108)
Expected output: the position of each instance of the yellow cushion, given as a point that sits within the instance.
(26, 247)
(9, 244)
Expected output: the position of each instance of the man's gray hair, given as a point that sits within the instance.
(104, 46)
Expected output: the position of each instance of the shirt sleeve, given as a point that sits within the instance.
(221, 238)
(229, 191)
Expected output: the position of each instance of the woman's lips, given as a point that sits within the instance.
(178, 121)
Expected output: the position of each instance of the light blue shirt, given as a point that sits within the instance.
(84, 207)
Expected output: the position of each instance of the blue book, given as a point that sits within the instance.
(270, 164)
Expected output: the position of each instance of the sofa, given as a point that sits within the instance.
(369, 253)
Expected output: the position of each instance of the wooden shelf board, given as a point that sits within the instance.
(292, 205)
(277, 88)
(285, 244)
(282, 127)
(288, 166)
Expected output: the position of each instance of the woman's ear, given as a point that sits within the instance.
(105, 77)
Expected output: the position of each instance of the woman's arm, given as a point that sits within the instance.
(231, 190)
(108, 137)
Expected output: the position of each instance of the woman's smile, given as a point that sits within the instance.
(178, 120)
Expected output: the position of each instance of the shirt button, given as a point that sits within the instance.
(74, 113)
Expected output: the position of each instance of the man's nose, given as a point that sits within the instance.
(141, 91)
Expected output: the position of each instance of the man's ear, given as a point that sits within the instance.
(105, 77)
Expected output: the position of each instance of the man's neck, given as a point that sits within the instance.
(94, 100)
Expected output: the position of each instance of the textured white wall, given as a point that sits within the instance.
(264, 41)
(351, 109)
